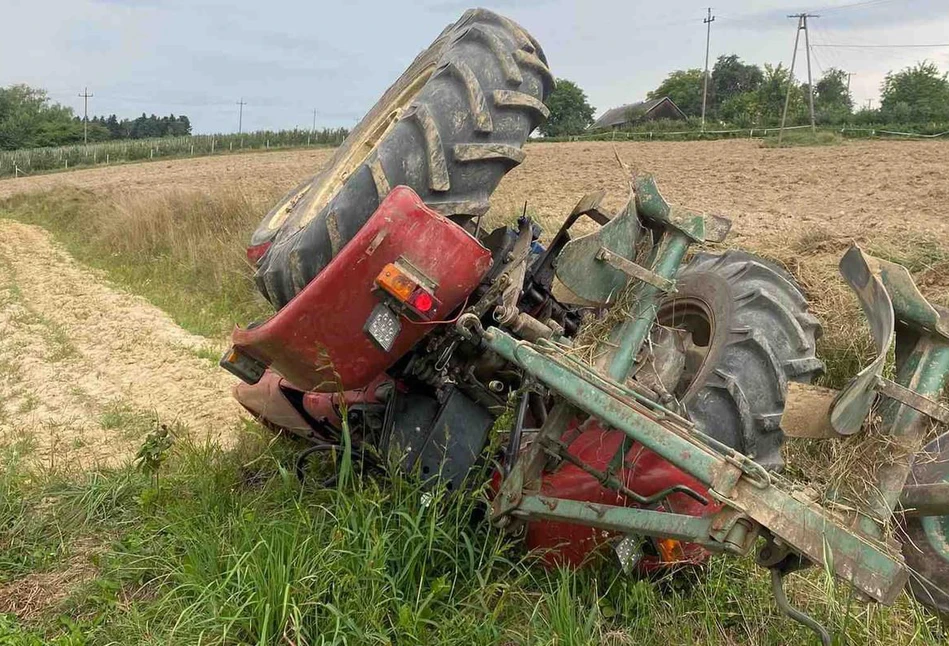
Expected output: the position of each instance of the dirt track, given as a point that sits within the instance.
(875, 187)
(87, 370)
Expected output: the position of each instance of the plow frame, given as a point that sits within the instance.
(755, 503)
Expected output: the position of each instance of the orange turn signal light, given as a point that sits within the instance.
(396, 282)
(670, 550)
(406, 289)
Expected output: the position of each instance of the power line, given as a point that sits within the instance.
(833, 54)
(854, 5)
(855, 46)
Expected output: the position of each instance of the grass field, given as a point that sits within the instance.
(221, 545)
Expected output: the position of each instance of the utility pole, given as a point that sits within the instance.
(849, 74)
(240, 116)
(708, 20)
(313, 129)
(810, 82)
(85, 114)
(801, 24)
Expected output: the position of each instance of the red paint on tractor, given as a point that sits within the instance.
(265, 401)
(317, 341)
(255, 253)
(643, 471)
(327, 406)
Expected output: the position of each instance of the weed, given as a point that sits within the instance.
(796, 138)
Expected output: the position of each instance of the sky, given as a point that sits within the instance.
(286, 58)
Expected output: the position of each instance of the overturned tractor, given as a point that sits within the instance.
(648, 389)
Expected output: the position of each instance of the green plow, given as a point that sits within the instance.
(761, 513)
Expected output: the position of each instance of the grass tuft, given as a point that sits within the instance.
(798, 138)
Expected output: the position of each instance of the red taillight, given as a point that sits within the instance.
(406, 288)
(422, 301)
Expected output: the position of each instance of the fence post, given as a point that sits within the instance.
(67, 163)
(212, 145)
(107, 159)
(192, 149)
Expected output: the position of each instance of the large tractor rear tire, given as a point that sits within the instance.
(449, 128)
(753, 334)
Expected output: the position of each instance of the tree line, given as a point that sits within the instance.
(108, 128)
(747, 95)
(29, 119)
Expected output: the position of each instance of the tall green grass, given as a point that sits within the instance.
(234, 550)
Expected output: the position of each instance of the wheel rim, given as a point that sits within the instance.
(695, 316)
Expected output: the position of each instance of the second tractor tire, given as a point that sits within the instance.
(760, 337)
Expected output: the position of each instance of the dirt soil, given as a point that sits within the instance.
(87, 370)
(882, 187)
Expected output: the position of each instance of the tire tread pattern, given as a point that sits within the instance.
(462, 133)
(772, 341)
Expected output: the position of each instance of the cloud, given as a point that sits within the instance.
(286, 57)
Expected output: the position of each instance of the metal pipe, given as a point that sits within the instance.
(777, 588)
(631, 333)
(806, 527)
(925, 499)
(514, 443)
(923, 371)
(694, 529)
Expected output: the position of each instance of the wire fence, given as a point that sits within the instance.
(27, 161)
(740, 133)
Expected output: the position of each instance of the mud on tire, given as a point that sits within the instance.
(449, 128)
(760, 337)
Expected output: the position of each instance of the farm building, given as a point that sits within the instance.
(632, 113)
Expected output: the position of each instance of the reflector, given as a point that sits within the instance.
(396, 282)
(383, 326)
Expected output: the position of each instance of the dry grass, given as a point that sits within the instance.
(182, 249)
(844, 470)
(36, 594)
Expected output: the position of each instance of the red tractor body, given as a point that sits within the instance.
(317, 341)
(321, 363)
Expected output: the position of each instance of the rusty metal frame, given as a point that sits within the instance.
(749, 494)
